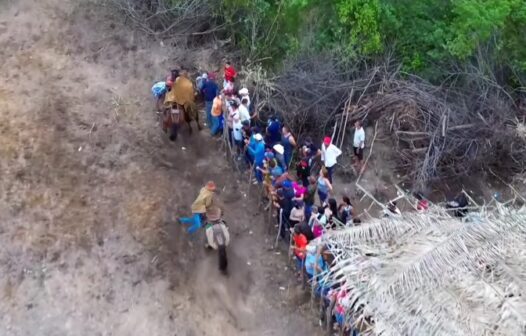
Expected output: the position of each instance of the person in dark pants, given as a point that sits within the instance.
(209, 92)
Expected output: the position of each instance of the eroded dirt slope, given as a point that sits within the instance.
(90, 190)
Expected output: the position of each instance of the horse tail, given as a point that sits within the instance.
(223, 262)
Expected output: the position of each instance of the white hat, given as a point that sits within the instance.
(243, 92)
(258, 137)
(279, 149)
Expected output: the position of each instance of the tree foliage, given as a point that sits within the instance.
(421, 34)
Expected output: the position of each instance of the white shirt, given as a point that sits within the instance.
(359, 138)
(236, 125)
(329, 155)
(244, 115)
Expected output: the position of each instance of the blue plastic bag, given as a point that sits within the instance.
(158, 89)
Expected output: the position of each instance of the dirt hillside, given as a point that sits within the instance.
(90, 191)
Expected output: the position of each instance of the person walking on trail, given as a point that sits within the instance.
(324, 186)
(329, 156)
(257, 151)
(217, 115)
(230, 75)
(203, 203)
(289, 143)
(358, 145)
(209, 91)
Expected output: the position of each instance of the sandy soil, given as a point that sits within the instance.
(90, 191)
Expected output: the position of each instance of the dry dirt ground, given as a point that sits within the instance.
(90, 191)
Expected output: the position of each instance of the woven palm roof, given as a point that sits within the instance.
(433, 274)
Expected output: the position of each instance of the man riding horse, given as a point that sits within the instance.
(180, 99)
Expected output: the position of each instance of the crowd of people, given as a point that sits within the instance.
(297, 179)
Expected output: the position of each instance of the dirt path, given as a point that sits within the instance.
(90, 192)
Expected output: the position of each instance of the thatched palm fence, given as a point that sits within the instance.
(433, 274)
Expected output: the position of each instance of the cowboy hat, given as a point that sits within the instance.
(210, 185)
(279, 149)
(243, 92)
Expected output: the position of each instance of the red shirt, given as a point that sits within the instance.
(230, 73)
(301, 244)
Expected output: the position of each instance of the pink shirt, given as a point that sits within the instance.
(299, 191)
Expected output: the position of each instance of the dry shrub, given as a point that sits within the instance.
(464, 124)
(181, 19)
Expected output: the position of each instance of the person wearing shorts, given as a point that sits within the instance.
(358, 145)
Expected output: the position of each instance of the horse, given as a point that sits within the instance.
(218, 238)
(175, 115)
(180, 100)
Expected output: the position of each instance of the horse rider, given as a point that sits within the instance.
(205, 201)
(217, 236)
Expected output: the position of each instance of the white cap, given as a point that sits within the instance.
(258, 137)
(279, 149)
(243, 92)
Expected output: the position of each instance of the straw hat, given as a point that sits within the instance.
(279, 149)
(210, 185)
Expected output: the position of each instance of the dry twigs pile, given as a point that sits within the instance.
(164, 18)
(435, 131)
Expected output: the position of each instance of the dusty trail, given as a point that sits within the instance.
(90, 190)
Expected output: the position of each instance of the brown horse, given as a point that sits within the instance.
(175, 116)
(180, 107)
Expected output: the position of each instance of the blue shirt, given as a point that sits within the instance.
(209, 90)
(257, 151)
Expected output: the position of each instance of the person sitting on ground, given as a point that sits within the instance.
(324, 186)
(299, 247)
(289, 143)
(345, 211)
(203, 203)
(297, 214)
